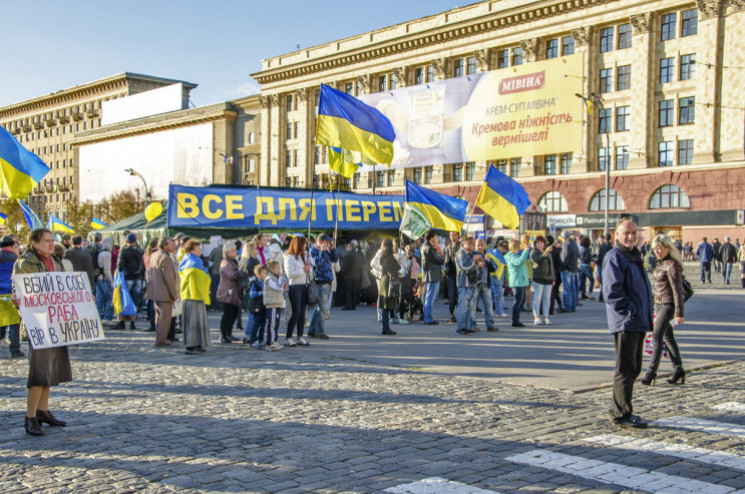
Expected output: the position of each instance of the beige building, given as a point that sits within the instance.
(671, 129)
(47, 125)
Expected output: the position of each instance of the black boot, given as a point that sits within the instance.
(742, 280)
(649, 378)
(680, 375)
(33, 427)
(46, 417)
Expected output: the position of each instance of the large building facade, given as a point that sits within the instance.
(670, 128)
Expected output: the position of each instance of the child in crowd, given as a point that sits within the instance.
(274, 301)
(256, 308)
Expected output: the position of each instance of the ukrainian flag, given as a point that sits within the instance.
(347, 123)
(502, 198)
(443, 212)
(97, 224)
(195, 282)
(20, 169)
(3, 217)
(57, 225)
(121, 299)
(345, 163)
(33, 221)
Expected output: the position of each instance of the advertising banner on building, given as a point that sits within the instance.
(529, 109)
(57, 309)
(271, 209)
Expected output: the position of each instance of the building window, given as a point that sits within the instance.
(666, 113)
(687, 110)
(667, 70)
(688, 67)
(615, 201)
(288, 158)
(606, 80)
(393, 78)
(416, 175)
(515, 167)
(603, 158)
(549, 164)
(685, 151)
(624, 36)
(290, 102)
(458, 172)
(622, 157)
(552, 48)
(295, 160)
(430, 73)
(349, 88)
(604, 124)
(606, 39)
(418, 76)
(427, 174)
(566, 163)
(288, 131)
(458, 68)
(623, 114)
(382, 83)
(668, 26)
(356, 181)
(517, 56)
(669, 196)
(567, 45)
(288, 181)
(665, 153)
(503, 59)
(470, 168)
(623, 81)
(553, 202)
(502, 166)
(391, 177)
(690, 22)
(472, 66)
(380, 179)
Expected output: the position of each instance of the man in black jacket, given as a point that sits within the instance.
(81, 260)
(432, 262)
(451, 254)
(603, 248)
(352, 275)
(728, 255)
(130, 264)
(717, 255)
(569, 264)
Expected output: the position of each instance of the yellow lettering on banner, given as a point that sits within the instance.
(233, 208)
(353, 210)
(368, 208)
(307, 208)
(398, 211)
(206, 202)
(186, 205)
(330, 209)
(269, 215)
(385, 211)
(287, 204)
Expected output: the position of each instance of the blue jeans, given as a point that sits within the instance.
(466, 309)
(705, 271)
(255, 327)
(385, 315)
(430, 295)
(497, 296)
(321, 311)
(13, 332)
(726, 271)
(483, 294)
(213, 292)
(541, 299)
(134, 287)
(519, 293)
(569, 298)
(104, 292)
(585, 273)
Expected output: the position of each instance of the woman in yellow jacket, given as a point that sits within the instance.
(195, 292)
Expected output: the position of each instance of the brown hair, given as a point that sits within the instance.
(191, 244)
(270, 265)
(539, 238)
(297, 247)
(259, 268)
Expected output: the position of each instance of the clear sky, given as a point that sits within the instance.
(49, 45)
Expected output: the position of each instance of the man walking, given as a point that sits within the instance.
(568, 271)
(130, 264)
(81, 261)
(432, 262)
(322, 256)
(163, 289)
(728, 255)
(628, 304)
(705, 253)
(451, 271)
(717, 261)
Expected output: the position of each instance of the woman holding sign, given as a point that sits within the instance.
(49, 366)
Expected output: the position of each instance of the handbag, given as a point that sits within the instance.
(687, 290)
(394, 287)
(312, 293)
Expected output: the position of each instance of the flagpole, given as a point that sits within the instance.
(468, 218)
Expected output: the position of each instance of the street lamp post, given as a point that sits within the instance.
(597, 102)
(134, 173)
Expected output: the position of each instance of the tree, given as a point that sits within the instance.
(16, 221)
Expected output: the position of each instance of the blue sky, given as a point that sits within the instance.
(50, 45)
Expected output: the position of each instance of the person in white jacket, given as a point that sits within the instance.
(297, 266)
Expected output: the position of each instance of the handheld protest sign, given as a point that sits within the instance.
(57, 308)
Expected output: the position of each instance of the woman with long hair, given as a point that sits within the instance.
(543, 280)
(669, 299)
(387, 300)
(48, 366)
(297, 266)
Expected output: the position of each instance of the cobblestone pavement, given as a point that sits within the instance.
(146, 419)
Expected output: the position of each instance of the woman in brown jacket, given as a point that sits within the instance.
(229, 292)
(669, 299)
(49, 366)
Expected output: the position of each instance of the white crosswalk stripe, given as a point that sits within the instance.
(683, 451)
(613, 473)
(437, 485)
(730, 407)
(702, 425)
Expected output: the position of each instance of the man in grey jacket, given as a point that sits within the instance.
(568, 271)
(432, 262)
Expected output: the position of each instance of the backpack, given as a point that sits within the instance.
(255, 305)
(94, 252)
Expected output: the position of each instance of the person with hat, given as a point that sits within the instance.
(9, 319)
(133, 270)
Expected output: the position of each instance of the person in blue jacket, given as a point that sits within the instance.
(705, 253)
(628, 304)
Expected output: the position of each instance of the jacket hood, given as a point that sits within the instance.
(108, 243)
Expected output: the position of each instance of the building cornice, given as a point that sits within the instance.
(457, 30)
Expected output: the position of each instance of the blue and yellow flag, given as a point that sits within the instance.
(97, 224)
(31, 218)
(345, 165)
(195, 282)
(20, 169)
(443, 212)
(121, 299)
(57, 225)
(502, 198)
(3, 217)
(347, 123)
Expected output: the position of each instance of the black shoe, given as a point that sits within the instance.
(680, 375)
(452, 320)
(563, 311)
(649, 378)
(233, 338)
(324, 336)
(518, 325)
(245, 341)
(433, 323)
(226, 340)
(389, 332)
(463, 331)
(179, 331)
(132, 325)
(46, 417)
(119, 325)
(634, 421)
(191, 352)
(17, 354)
(33, 426)
(173, 339)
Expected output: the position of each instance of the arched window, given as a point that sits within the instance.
(669, 197)
(615, 201)
(553, 202)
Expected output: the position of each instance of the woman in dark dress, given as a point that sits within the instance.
(390, 270)
(49, 366)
